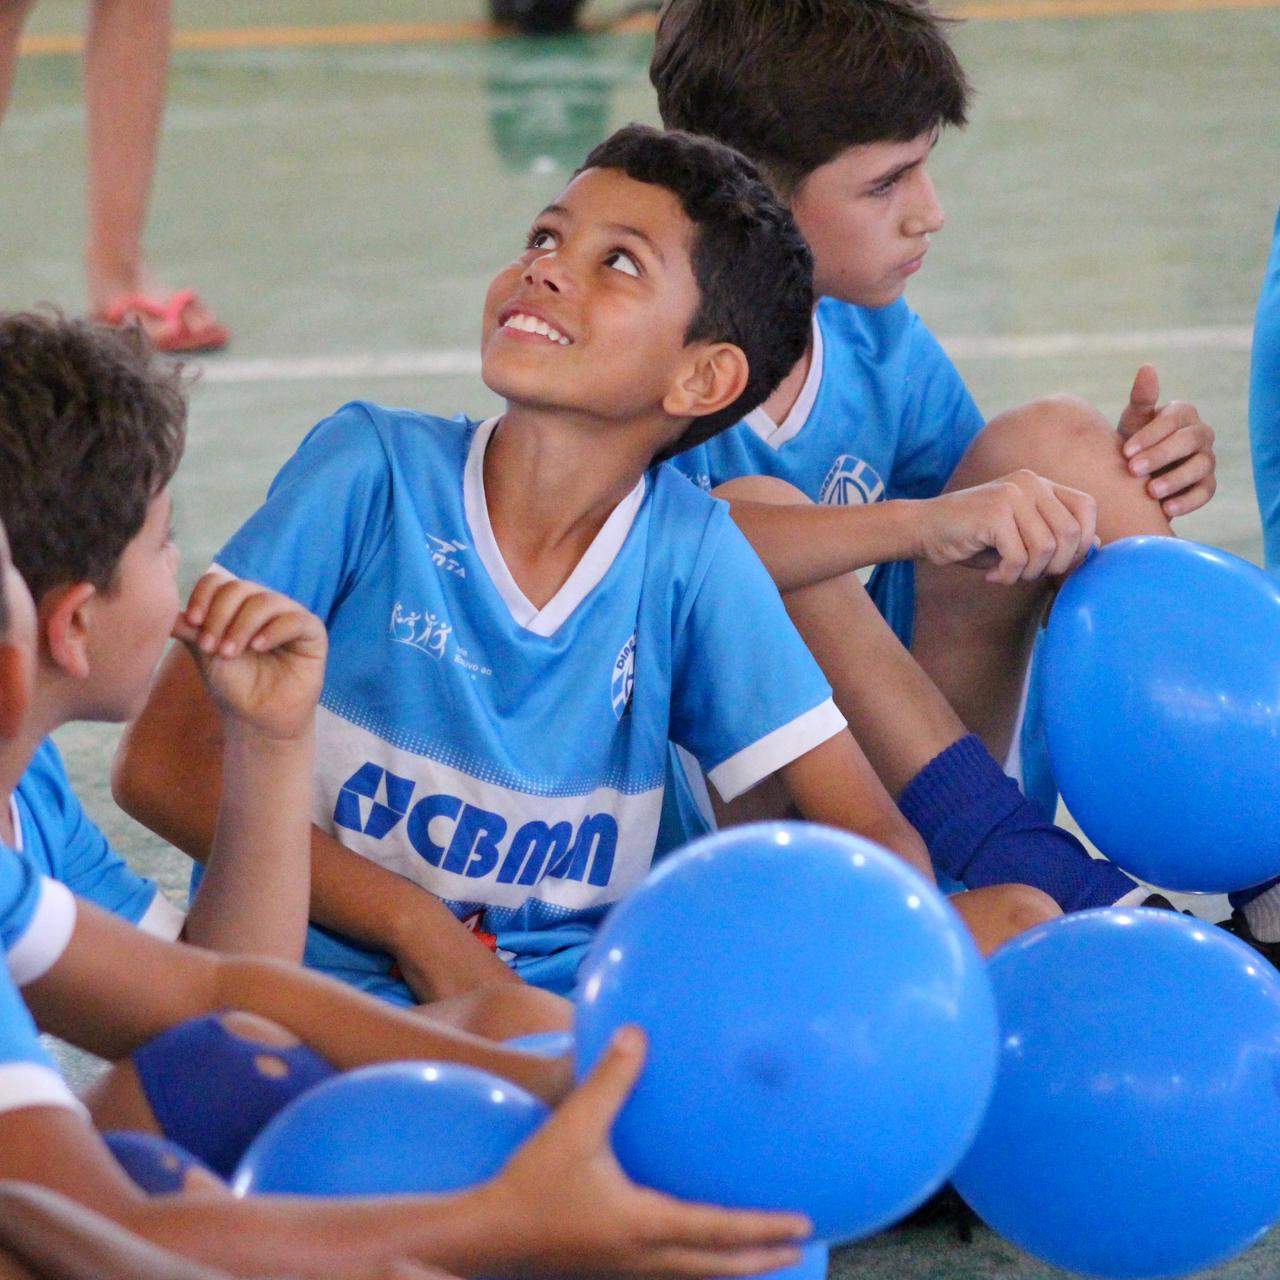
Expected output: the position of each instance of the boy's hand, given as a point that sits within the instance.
(261, 654)
(1170, 444)
(1018, 528)
(565, 1198)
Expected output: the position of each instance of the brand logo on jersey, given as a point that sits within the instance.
(420, 630)
(373, 801)
(444, 554)
(473, 842)
(624, 678)
(851, 483)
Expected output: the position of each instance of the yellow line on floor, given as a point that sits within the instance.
(357, 34)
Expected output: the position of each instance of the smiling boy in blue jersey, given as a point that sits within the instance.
(871, 452)
(561, 1206)
(523, 612)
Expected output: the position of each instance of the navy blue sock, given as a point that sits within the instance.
(1245, 896)
(981, 830)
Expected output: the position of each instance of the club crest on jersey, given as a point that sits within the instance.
(624, 678)
(851, 483)
(420, 630)
(444, 554)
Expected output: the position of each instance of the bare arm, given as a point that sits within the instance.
(562, 1207)
(169, 775)
(1016, 528)
(835, 784)
(80, 999)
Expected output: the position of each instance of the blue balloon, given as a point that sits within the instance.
(813, 1264)
(549, 1044)
(1162, 712)
(395, 1128)
(821, 1028)
(1133, 1129)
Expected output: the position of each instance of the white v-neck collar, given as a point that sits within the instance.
(16, 819)
(587, 573)
(775, 434)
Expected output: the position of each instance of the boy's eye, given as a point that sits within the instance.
(541, 238)
(624, 262)
(884, 188)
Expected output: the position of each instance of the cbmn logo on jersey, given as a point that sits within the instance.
(851, 483)
(477, 843)
(623, 681)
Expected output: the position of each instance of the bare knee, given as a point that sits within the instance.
(1060, 437)
(249, 1026)
(768, 489)
(1025, 907)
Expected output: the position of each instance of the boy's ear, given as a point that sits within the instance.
(715, 376)
(64, 618)
(15, 690)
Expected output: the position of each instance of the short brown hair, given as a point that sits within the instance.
(753, 269)
(793, 83)
(92, 427)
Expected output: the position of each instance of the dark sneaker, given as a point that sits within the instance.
(1237, 924)
(1161, 903)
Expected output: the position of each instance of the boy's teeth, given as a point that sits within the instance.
(531, 324)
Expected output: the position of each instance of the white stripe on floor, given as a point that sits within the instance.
(426, 364)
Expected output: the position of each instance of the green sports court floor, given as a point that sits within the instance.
(342, 193)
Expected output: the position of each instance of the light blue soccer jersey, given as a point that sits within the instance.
(62, 842)
(507, 758)
(1264, 405)
(883, 413)
(37, 916)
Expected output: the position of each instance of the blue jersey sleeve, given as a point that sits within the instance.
(325, 515)
(747, 695)
(939, 421)
(1264, 405)
(64, 843)
(37, 917)
(28, 1077)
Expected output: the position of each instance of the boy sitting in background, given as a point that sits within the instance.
(523, 612)
(872, 452)
(561, 1206)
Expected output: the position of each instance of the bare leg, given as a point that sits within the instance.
(1003, 911)
(974, 638)
(895, 712)
(125, 66)
(502, 1011)
(13, 14)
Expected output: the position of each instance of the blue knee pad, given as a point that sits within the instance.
(154, 1163)
(209, 1091)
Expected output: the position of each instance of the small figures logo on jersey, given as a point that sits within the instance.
(851, 483)
(444, 554)
(624, 678)
(420, 630)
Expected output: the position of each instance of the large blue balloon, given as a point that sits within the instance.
(400, 1127)
(1135, 1126)
(1162, 712)
(821, 1027)
(813, 1264)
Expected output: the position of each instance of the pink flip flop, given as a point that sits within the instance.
(166, 322)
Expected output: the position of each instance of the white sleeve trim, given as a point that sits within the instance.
(46, 936)
(767, 755)
(32, 1084)
(162, 919)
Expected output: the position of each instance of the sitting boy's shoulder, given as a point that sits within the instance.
(45, 781)
(871, 328)
(367, 422)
